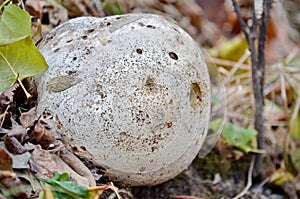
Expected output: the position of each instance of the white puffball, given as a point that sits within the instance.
(132, 93)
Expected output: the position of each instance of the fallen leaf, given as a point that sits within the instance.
(14, 138)
(63, 187)
(15, 25)
(5, 160)
(27, 118)
(19, 60)
(19, 161)
(238, 137)
(281, 176)
(41, 134)
(46, 163)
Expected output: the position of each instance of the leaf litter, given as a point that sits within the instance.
(281, 94)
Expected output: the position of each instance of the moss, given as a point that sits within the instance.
(213, 163)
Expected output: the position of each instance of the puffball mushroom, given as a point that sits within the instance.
(132, 93)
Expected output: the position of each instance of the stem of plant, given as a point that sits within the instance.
(252, 33)
(16, 75)
(24, 89)
(4, 3)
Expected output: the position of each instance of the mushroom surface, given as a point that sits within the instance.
(132, 93)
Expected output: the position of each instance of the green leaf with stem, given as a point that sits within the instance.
(18, 61)
(62, 187)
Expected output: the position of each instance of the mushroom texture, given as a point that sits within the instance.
(132, 93)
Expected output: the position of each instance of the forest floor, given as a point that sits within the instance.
(224, 172)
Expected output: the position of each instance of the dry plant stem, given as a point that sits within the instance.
(249, 180)
(3, 116)
(252, 33)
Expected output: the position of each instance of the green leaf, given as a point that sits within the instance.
(66, 189)
(239, 137)
(15, 25)
(232, 49)
(113, 8)
(61, 177)
(295, 62)
(295, 128)
(19, 60)
(295, 157)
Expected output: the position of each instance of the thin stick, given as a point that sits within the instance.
(3, 115)
(258, 66)
(249, 180)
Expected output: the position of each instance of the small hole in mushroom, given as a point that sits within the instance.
(83, 148)
(150, 26)
(84, 37)
(173, 55)
(195, 95)
(74, 58)
(89, 31)
(108, 23)
(56, 50)
(69, 41)
(169, 124)
(139, 51)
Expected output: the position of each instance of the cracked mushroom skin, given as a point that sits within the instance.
(132, 93)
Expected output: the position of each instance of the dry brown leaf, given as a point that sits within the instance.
(19, 161)
(41, 134)
(35, 7)
(14, 138)
(46, 163)
(5, 160)
(27, 118)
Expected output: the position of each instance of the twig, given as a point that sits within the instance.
(4, 115)
(258, 66)
(249, 180)
(260, 186)
(259, 81)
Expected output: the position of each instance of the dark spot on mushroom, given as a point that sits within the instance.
(173, 55)
(89, 31)
(50, 37)
(108, 23)
(74, 148)
(69, 40)
(118, 18)
(84, 37)
(74, 58)
(83, 148)
(175, 29)
(56, 50)
(150, 84)
(87, 52)
(169, 124)
(141, 24)
(123, 134)
(195, 95)
(70, 72)
(150, 26)
(139, 51)
(54, 44)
